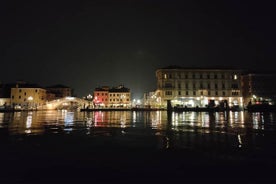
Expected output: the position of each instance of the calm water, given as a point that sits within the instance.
(149, 144)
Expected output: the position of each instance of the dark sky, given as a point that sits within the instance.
(86, 44)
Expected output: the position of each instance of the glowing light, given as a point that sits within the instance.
(69, 98)
(191, 102)
(239, 139)
(69, 118)
(29, 120)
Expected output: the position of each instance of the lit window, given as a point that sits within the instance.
(235, 77)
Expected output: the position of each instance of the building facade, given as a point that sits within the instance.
(101, 96)
(112, 97)
(58, 91)
(27, 96)
(196, 87)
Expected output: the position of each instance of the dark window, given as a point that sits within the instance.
(168, 85)
(187, 92)
(179, 92)
(194, 93)
(187, 85)
(234, 86)
(215, 76)
(216, 93)
(168, 93)
(201, 85)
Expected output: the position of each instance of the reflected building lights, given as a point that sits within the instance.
(29, 120)
(231, 118)
(68, 121)
(256, 120)
(1, 119)
(242, 117)
(89, 122)
(188, 129)
(205, 120)
(240, 141)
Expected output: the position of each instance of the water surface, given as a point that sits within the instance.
(148, 144)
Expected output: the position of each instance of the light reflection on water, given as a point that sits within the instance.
(175, 130)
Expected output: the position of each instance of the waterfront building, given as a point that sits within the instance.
(199, 87)
(58, 91)
(101, 96)
(112, 97)
(258, 88)
(27, 96)
(119, 97)
(152, 100)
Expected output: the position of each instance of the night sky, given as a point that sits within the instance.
(86, 44)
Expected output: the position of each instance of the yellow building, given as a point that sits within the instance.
(27, 96)
(196, 87)
(112, 97)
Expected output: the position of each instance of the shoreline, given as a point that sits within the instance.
(173, 109)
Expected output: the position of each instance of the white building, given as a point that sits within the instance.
(196, 87)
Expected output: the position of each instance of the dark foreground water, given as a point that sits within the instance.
(137, 147)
